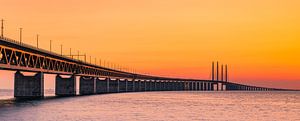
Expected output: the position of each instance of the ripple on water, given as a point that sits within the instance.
(160, 106)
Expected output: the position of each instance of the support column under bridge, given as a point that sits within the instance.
(123, 85)
(29, 86)
(87, 85)
(114, 85)
(65, 86)
(102, 86)
(130, 86)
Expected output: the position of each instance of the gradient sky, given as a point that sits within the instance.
(258, 39)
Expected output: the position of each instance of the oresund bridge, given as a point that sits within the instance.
(94, 79)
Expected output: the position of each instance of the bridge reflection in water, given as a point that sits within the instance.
(94, 79)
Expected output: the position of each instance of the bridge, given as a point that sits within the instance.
(93, 79)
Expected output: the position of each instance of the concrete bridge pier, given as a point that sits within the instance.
(114, 85)
(161, 85)
(87, 85)
(122, 85)
(65, 86)
(208, 86)
(126, 85)
(190, 86)
(143, 85)
(137, 85)
(102, 85)
(130, 86)
(196, 86)
(152, 87)
(211, 86)
(157, 85)
(185, 85)
(201, 86)
(221, 85)
(174, 84)
(217, 86)
(181, 85)
(178, 86)
(147, 85)
(193, 86)
(134, 85)
(205, 86)
(29, 86)
(164, 85)
(224, 87)
(169, 87)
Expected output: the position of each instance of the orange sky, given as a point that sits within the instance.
(258, 39)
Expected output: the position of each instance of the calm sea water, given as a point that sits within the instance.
(160, 106)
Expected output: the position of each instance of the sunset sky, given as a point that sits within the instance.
(258, 39)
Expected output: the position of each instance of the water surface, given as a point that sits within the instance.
(160, 106)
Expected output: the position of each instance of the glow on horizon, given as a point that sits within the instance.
(259, 40)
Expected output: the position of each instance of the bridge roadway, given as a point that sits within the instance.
(94, 79)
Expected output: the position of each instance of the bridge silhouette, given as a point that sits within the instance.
(94, 79)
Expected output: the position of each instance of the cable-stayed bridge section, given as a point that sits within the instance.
(94, 79)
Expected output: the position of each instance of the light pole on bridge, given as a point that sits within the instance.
(61, 49)
(37, 41)
(2, 27)
(21, 29)
(78, 54)
(71, 53)
(50, 45)
(90, 59)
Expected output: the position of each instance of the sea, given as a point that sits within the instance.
(156, 106)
